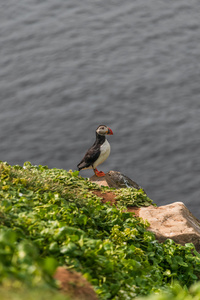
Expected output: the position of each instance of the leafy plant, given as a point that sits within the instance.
(51, 217)
(132, 197)
(176, 292)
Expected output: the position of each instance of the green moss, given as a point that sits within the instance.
(51, 217)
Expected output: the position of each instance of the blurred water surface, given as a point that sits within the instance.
(68, 66)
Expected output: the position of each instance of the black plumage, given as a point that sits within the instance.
(92, 154)
(99, 151)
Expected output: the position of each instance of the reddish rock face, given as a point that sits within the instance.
(74, 285)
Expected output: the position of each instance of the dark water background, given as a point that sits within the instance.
(67, 66)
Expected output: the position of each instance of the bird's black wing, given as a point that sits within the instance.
(90, 157)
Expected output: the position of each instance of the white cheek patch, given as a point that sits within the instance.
(102, 132)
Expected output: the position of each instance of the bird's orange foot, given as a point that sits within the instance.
(99, 173)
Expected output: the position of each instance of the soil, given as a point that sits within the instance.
(110, 197)
(75, 285)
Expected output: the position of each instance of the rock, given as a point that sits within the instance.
(172, 221)
(116, 180)
(74, 285)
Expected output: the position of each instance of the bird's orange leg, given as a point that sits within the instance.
(99, 173)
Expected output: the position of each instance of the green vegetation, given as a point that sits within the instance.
(132, 197)
(51, 217)
(21, 292)
(176, 292)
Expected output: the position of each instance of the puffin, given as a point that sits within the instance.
(99, 151)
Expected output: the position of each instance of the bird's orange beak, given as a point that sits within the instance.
(109, 131)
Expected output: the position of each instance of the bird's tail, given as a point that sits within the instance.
(83, 165)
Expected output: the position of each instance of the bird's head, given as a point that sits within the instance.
(103, 130)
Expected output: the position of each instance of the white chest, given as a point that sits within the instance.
(105, 151)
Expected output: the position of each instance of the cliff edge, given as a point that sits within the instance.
(173, 221)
